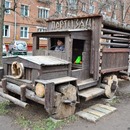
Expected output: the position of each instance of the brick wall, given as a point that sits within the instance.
(33, 22)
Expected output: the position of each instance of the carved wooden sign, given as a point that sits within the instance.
(71, 24)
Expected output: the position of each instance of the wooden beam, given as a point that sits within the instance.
(114, 38)
(14, 100)
(113, 50)
(20, 82)
(29, 94)
(103, 71)
(116, 44)
(115, 32)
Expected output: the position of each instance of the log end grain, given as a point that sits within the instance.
(40, 90)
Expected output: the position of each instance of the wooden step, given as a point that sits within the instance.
(86, 84)
(91, 93)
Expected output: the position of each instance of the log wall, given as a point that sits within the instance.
(114, 49)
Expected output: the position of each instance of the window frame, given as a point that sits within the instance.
(7, 11)
(23, 37)
(92, 11)
(42, 9)
(8, 31)
(72, 4)
(44, 28)
(24, 10)
(84, 8)
(61, 9)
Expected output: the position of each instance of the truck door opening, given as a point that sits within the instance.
(78, 47)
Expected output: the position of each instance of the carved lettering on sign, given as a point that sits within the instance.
(71, 24)
(61, 24)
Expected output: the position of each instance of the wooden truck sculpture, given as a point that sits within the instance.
(53, 78)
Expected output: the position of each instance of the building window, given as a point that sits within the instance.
(7, 5)
(42, 29)
(84, 7)
(91, 9)
(24, 10)
(24, 31)
(72, 4)
(6, 31)
(43, 13)
(59, 7)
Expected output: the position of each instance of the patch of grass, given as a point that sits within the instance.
(3, 107)
(45, 124)
(23, 122)
(72, 118)
(113, 101)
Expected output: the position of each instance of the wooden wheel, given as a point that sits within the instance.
(110, 85)
(17, 69)
(65, 101)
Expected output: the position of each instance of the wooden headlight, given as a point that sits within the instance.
(40, 90)
(17, 69)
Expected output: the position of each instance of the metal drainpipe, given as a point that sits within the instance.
(15, 26)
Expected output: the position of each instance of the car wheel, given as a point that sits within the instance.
(12, 52)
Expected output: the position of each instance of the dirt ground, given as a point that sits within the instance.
(119, 120)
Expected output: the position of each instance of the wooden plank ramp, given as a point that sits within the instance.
(91, 93)
(96, 112)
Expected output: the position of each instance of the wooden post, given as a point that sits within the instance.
(4, 84)
(95, 55)
(68, 48)
(49, 98)
(23, 92)
(35, 44)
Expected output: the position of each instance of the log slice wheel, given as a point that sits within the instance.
(17, 70)
(110, 84)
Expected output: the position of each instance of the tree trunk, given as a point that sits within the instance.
(65, 101)
(2, 3)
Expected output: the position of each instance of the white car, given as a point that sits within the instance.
(18, 47)
(4, 53)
